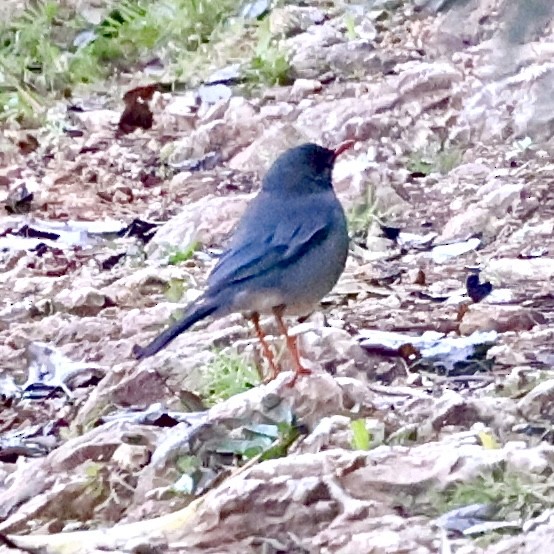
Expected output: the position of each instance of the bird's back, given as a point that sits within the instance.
(297, 247)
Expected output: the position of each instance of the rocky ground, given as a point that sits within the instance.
(395, 444)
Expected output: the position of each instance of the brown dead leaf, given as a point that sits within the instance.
(409, 353)
(27, 144)
(137, 113)
(420, 278)
(462, 310)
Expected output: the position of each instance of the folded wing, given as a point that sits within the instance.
(260, 255)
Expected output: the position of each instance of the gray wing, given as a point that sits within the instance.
(259, 255)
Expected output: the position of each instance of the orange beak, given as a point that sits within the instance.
(343, 147)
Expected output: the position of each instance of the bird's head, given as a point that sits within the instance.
(303, 169)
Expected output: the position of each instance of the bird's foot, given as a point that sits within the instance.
(275, 369)
(298, 372)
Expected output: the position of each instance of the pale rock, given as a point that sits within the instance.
(305, 103)
(473, 220)
(485, 216)
(97, 444)
(32, 285)
(538, 404)
(483, 317)
(331, 432)
(131, 457)
(350, 178)
(332, 348)
(263, 151)
(84, 301)
(537, 540)
(291, 20)
(529, 461)
(530, 229)
(280, 110)
(182, 105)
(309, 51)
(196, 144)
(526, 91)
(209, 113)
(80, 331)
(510, 270)
(316, 38)
(239, 126)
(450, 410)
(207, 221)
(366, 30)
(98, 120)
(342, 119)
(121, 196)
(498, 413)
(142, 281)
(498, 197)
(142, 387)
(354, 57)
(312, 398)
(377, 247)
(214, 93)
(469, 171)
(417, 77)
(239, 111)
(304, 87)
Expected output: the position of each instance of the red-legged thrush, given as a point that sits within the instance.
(287, 252)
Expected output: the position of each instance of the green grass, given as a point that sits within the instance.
(427, 162)
(180, 256)
(50, 50)
(226, 376)
(40, 57)
(175, 290)
(270, 63)
(515, 496)
(364, 213)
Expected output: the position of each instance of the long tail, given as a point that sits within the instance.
(195, 313)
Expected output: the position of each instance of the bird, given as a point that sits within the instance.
(286, 253)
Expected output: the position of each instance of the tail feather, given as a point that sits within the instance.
(195, 313)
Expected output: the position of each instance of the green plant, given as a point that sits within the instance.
(96, 477)
(448, 159)
(175, 290)
(364, 213)
(31, 48)
(30, 61)
(361, 438)
(187, 464)
(514, 495)
(226, 376)
(288, 433)
(261, 441)
(17, 102)
(180, 256)
(350, 24)
(270, 64)
(419, 163)
(49, 49)
(428, 161)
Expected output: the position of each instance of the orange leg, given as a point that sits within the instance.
(275, 369)
(291, 345)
